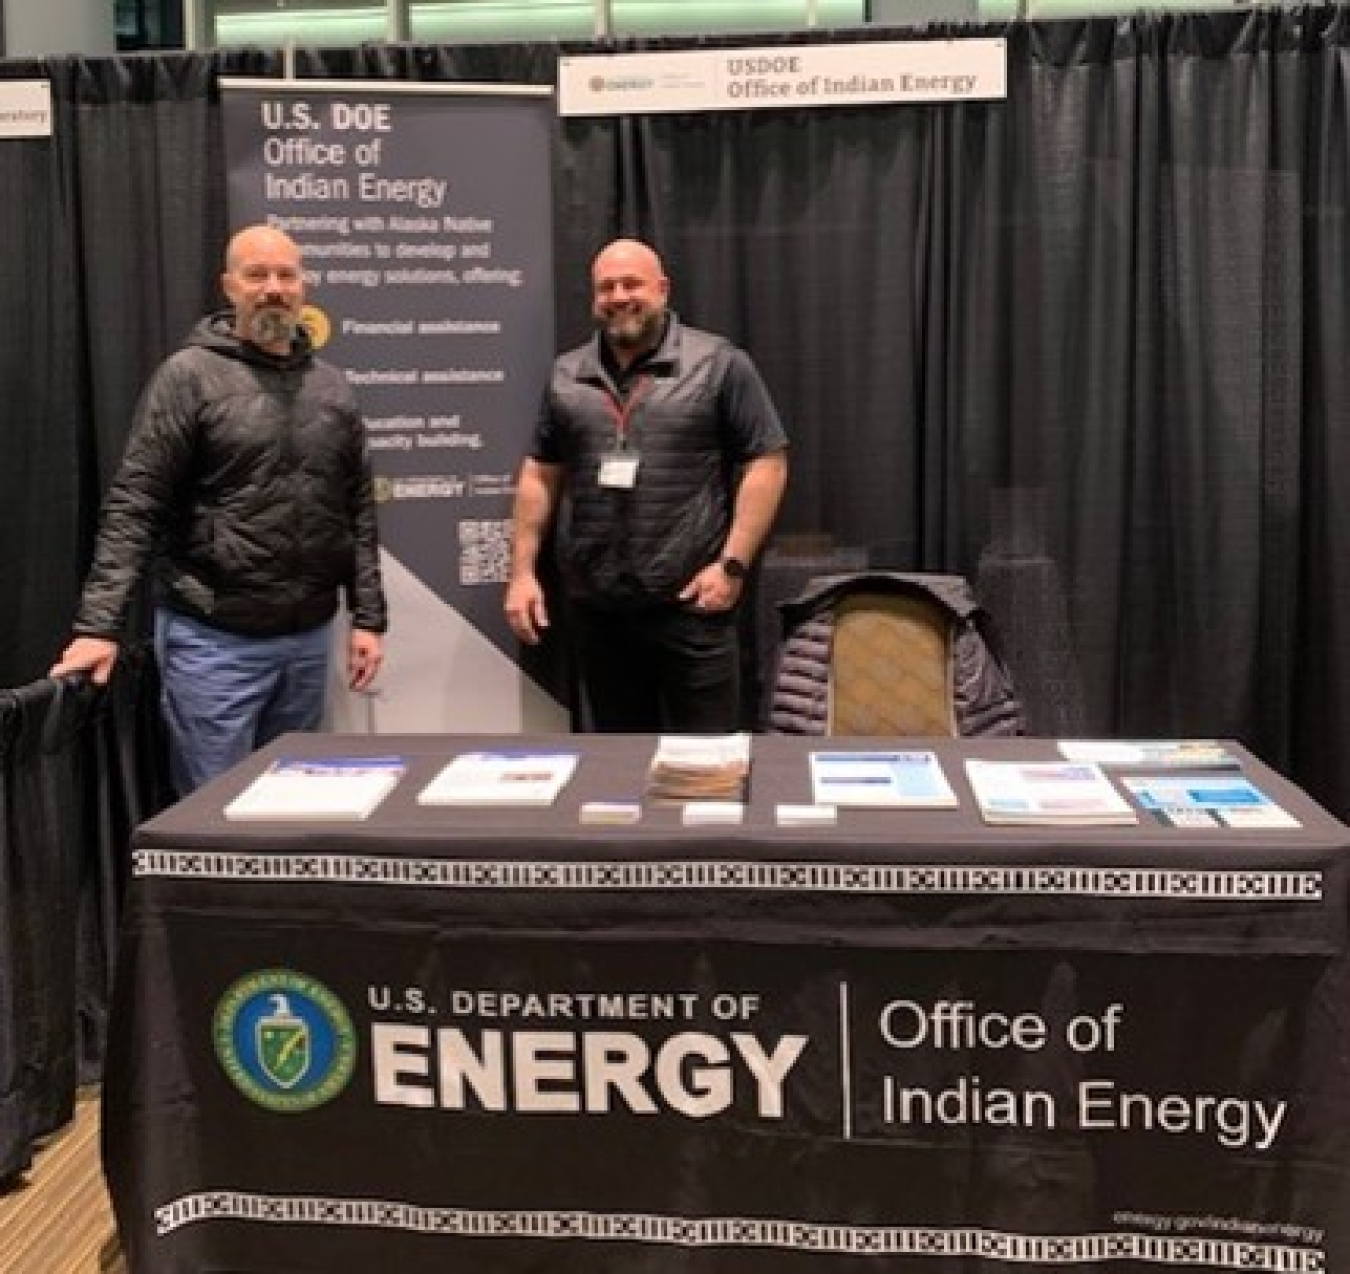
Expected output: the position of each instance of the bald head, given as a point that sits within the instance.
(629, 254)
(252, 240)
(265, 282)
(629, 295)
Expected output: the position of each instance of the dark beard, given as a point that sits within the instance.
(272, 327)
(628, 334)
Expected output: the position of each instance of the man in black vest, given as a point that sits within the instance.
(660, 453)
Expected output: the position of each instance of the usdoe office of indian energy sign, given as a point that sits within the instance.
(784, 76)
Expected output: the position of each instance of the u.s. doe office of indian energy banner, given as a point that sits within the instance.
(424, 215)
(612, 1105)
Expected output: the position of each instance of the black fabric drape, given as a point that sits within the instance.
(125, 760)
(79, 768)
(1081, 346)
(39, 871)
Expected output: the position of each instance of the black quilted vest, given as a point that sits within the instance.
(639, 547)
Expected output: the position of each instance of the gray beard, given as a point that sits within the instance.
(629, 334)
(272, 327)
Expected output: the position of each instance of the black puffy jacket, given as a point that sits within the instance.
(247, 482)
(984, 702)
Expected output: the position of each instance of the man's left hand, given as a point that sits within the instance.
(365, 653)
(711, 590)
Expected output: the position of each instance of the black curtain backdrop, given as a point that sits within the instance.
(1085, 346)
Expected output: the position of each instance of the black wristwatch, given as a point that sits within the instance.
(734, 567)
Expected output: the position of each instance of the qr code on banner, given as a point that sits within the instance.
(484, 552)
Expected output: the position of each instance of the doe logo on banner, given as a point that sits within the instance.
(285, 1040)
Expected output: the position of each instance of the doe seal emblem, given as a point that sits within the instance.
(285, 1040)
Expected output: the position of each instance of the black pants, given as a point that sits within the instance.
(663, 670)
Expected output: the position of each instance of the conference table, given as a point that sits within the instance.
(500, 1040)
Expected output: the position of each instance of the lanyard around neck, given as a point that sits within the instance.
(622, 409)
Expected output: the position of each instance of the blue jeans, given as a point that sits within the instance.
(225, 695)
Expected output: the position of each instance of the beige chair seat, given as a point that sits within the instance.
(892, 667)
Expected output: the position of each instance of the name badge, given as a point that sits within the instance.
(619, 470)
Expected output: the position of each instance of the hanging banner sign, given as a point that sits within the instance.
(25, 108)
(779, 76)
(424, 216)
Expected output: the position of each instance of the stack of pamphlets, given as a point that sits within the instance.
(1064, 792)
(324, 788)
(1208, 800)
(880, 780)
(691, 767)
(1152, 754)
(515, 777)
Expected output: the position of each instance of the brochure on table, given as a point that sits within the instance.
(1152, 754)
(518, 777)
(1208, 800)
(337, 788)
(880, 780)
(1049, 792)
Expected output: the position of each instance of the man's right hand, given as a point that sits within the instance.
(94, 655)
(525, 609)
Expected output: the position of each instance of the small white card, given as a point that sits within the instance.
(712, 813)
(611, 812)
(806, 815)
(619, 471)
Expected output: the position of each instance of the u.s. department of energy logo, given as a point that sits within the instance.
(285, 1040)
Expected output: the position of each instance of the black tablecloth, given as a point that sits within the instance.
(502, 1040)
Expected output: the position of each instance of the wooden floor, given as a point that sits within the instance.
(56, 1219)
